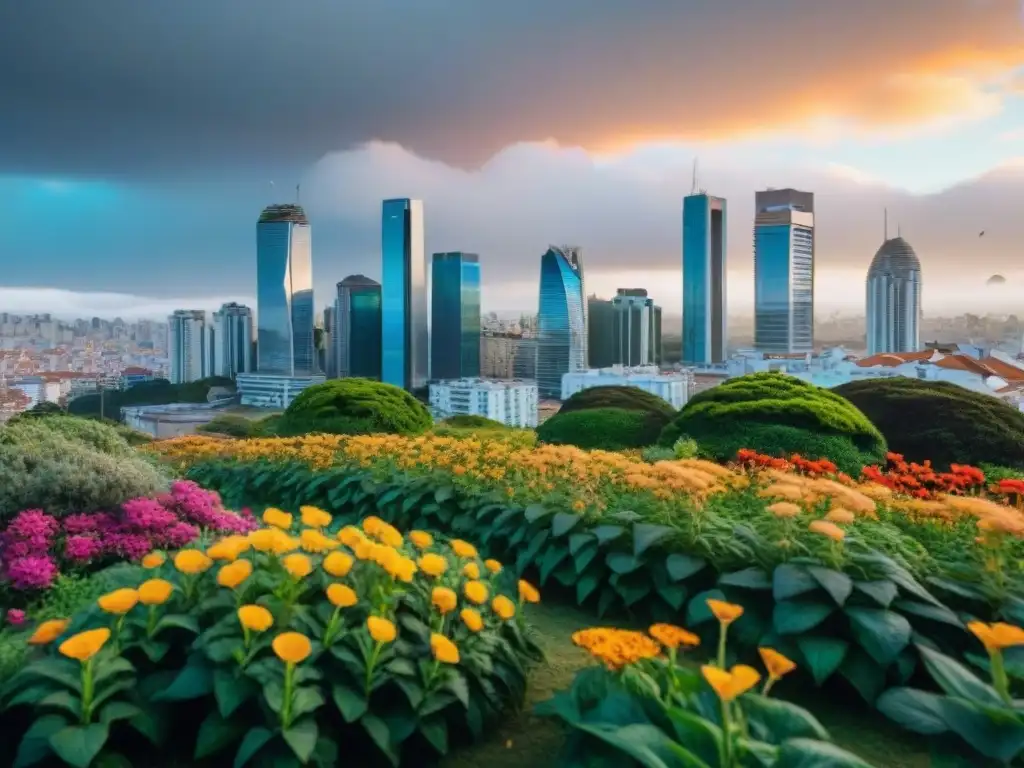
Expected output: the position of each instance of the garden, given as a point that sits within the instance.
(728, 585)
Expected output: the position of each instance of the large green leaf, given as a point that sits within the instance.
(194, 681)
(995, 731)
(882, 591)
(681, 567)
(775, 720)
(255, 740)
(700, 736)
(578, 540)
(697, 612)
(646, 535)
(56, 669)
(748, 578)
(563, 522)
(632, 588)
(956, 680)
(378, 731)
(646, 744)
(883, 634)
(231, 691)
(307, 699)
(809, 753)
(35, 744)
(301, 736)
(792, 617)
(836, 583)
(216, 734)
(790, 580)
(673, 594)
(863, 673)
(535, 512)
(822, 655)
(918, 711)
(351, 703)
(586, 585)
(931, 611)
(78, 745)
(623, 562)
(606, 533)
(435, 730)
(553, 556)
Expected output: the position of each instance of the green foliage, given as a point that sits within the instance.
(652, 454)
(685, 448)
(41, 432)
(39, 410)
(156, 392)
(627, 398)
(779, 415)
(608, 429)
(472, 421)
(940, 421)
(229, 424)
(354, 406)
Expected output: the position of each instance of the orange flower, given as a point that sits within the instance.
(776, 664)
(784, 509)
(528, 593)
(826, 528)
(735, 682)
(996, 637)
(726, 613)
(672, 636)
(840, 516)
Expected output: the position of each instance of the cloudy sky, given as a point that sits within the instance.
(139, 140)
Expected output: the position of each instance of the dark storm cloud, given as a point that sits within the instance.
(141, 88)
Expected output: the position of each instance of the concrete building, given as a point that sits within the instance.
(232, 340)
(675, 388)
(894, 299)
(513, 403)
(171, 420)
(260, 390)
(508, 356)
(187, 340)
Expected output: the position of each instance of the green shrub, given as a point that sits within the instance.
(41, 431)
(607, 429)
(940, 421)
(779, 415)
(472, 421)
(229, 424)
(627, 398)
(353, 407)
(685, 448)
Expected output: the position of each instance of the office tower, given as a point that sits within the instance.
(784, 271)
(894, 299)
(330, 335)
(284, 292)
(508, 356)
(405, 336)
(356, 328)
(705, 315)
(454, 316)
(561, 319)
(232, 340)
(601, 344)
(635, 335)
(186, 343)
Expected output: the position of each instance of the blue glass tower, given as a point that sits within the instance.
(784, 271)
(284, 292)
(705, 321)
(404, 333)
(455, 316)
(561, 319)
(356, 335)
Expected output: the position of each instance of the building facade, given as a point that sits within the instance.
(455, 316)
(405, 338)
(232, 340)
(602, 346)
(187, 340)
(637, 329)
(508, 356)
(894, 299)
(268, 390)
(356, 328)
(705, 315)
(561, 319)
(284, 292)
(513, 403)
(784, 271)
(675, 388)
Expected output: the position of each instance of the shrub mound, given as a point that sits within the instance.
(940, 421)
(627, 398)
(229, 424)
(40, 431)
(606, 429)
(353, 407)
(472, 421)
(778, 415)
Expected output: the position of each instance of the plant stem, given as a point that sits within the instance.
(721, 645)
(289, 684)
(370, 665)
(87, 692)
(331, 626)
(726, 747)
(999, 679)
(151, 621)
(768, 685)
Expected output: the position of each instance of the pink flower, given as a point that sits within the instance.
(82, 549)
(15, 617)
(131, 546)
(32, 572)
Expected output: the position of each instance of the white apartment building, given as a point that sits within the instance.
(232, 340)
(187, 339)
(264, 390)
(513, 402)
(675, 387)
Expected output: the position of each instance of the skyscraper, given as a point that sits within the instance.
(601, 341)
(405, 336)
(284, 292)
(455, 316)
(232, 340)
(356, 328)
(561, 319)
(894, 299)
(637, 328)
(784, 271)
(705, 316)
(187, 345)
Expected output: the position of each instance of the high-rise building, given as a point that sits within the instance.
(455, 316)
(601, 342)
(894, 299)
(330, 334)
(186, 344)
(637, 331)
(705, 316)
(356, 328)
(405, 337)
(783, 271)
(284, 292)
(561, 319)
(508, 356)
(232, 340)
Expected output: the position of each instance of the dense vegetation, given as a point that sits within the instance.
(940, 421)
(231, 425)
(352, 407)
(156, 392)
(628, 398)
(608, 429)
(777, 415)
(471, 421)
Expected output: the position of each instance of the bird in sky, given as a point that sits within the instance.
(982, 233)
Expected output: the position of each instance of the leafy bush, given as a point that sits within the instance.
(40, 433)
(39, 410)
(229, 424)
(354, 406)
(256, 652)
(941, 421)
(628, 398)
(777, 415)
(472, 421)
(685, 448)
(608, 429)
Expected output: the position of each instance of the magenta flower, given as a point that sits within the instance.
(82, 549)
(15, 617)
(32, 572)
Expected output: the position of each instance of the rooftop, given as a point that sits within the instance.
(283, 212)
(895, 258)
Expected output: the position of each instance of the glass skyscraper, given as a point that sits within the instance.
(601, 341)
(284, 292)
(705, 320)
(455, 316)
(404, 336)
(356, 328)
(784, 271)
(894, 299)
(561, 319)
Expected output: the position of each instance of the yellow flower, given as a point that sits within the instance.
(826, 528)
(312, 540)
(263, 539)
(725, 612)
(776, 664)
(504, 607)
(402, 569)
(380, 629)
(365, 549)
(616, 647)
(421, 539)
(371, 525)
(735, 682)
(463, 549)
(277, 518)
(292, 647)
(233, 574)
(297, 565)
(338, 564)
(192, 561)
(444, 599)
(444, 650)
(389, 535)
(476, 592)
(225, 549)
(283, 543)
(528, 593)
(48, 631)
(155, 592)
(154, 560)
(672, 636)
(342, 596)
(493, 566)
(255, 617)
(471, 618)
(433, 565)
(119, 602)
(996, 637)
(350, 536)
(315, 517)
(471, 571)
(85, 645)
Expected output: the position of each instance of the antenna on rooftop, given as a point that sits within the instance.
(898, 233)
(693, 182)
(885, 235)
(298, 199)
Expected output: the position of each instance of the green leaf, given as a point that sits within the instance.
(535, 512)
(681, 567)
(586, 586)
(152, 725)
(351, 703)
(35, 744)
(216, 734)
(632, 589)
(822, 655)
(792, 580)
(378, 731)
(58, 670)
(808, 753)
(791, 617)
(863, 673)
(646, 535)
(307, 699)
(554, 555)
(994, 731)
(883, 592)
(231, 691)
(606, 533)
(700, 736)
(578, 540)
(301, 737)
(748, 578)
(836, 583)
(697, 612)
(110, 668)
(775, 720)
(563, 522)
(956, 680)
(255, 740)
(883, 634)
(78, 745)
(918, 711)
(938, 613)
(177, 621)
(64, 700)
(117, 710)
(435, 730)
(623, 562)
(444, 493)
(674, 595)
(194, 681)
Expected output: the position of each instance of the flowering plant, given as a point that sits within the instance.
(922, 481)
